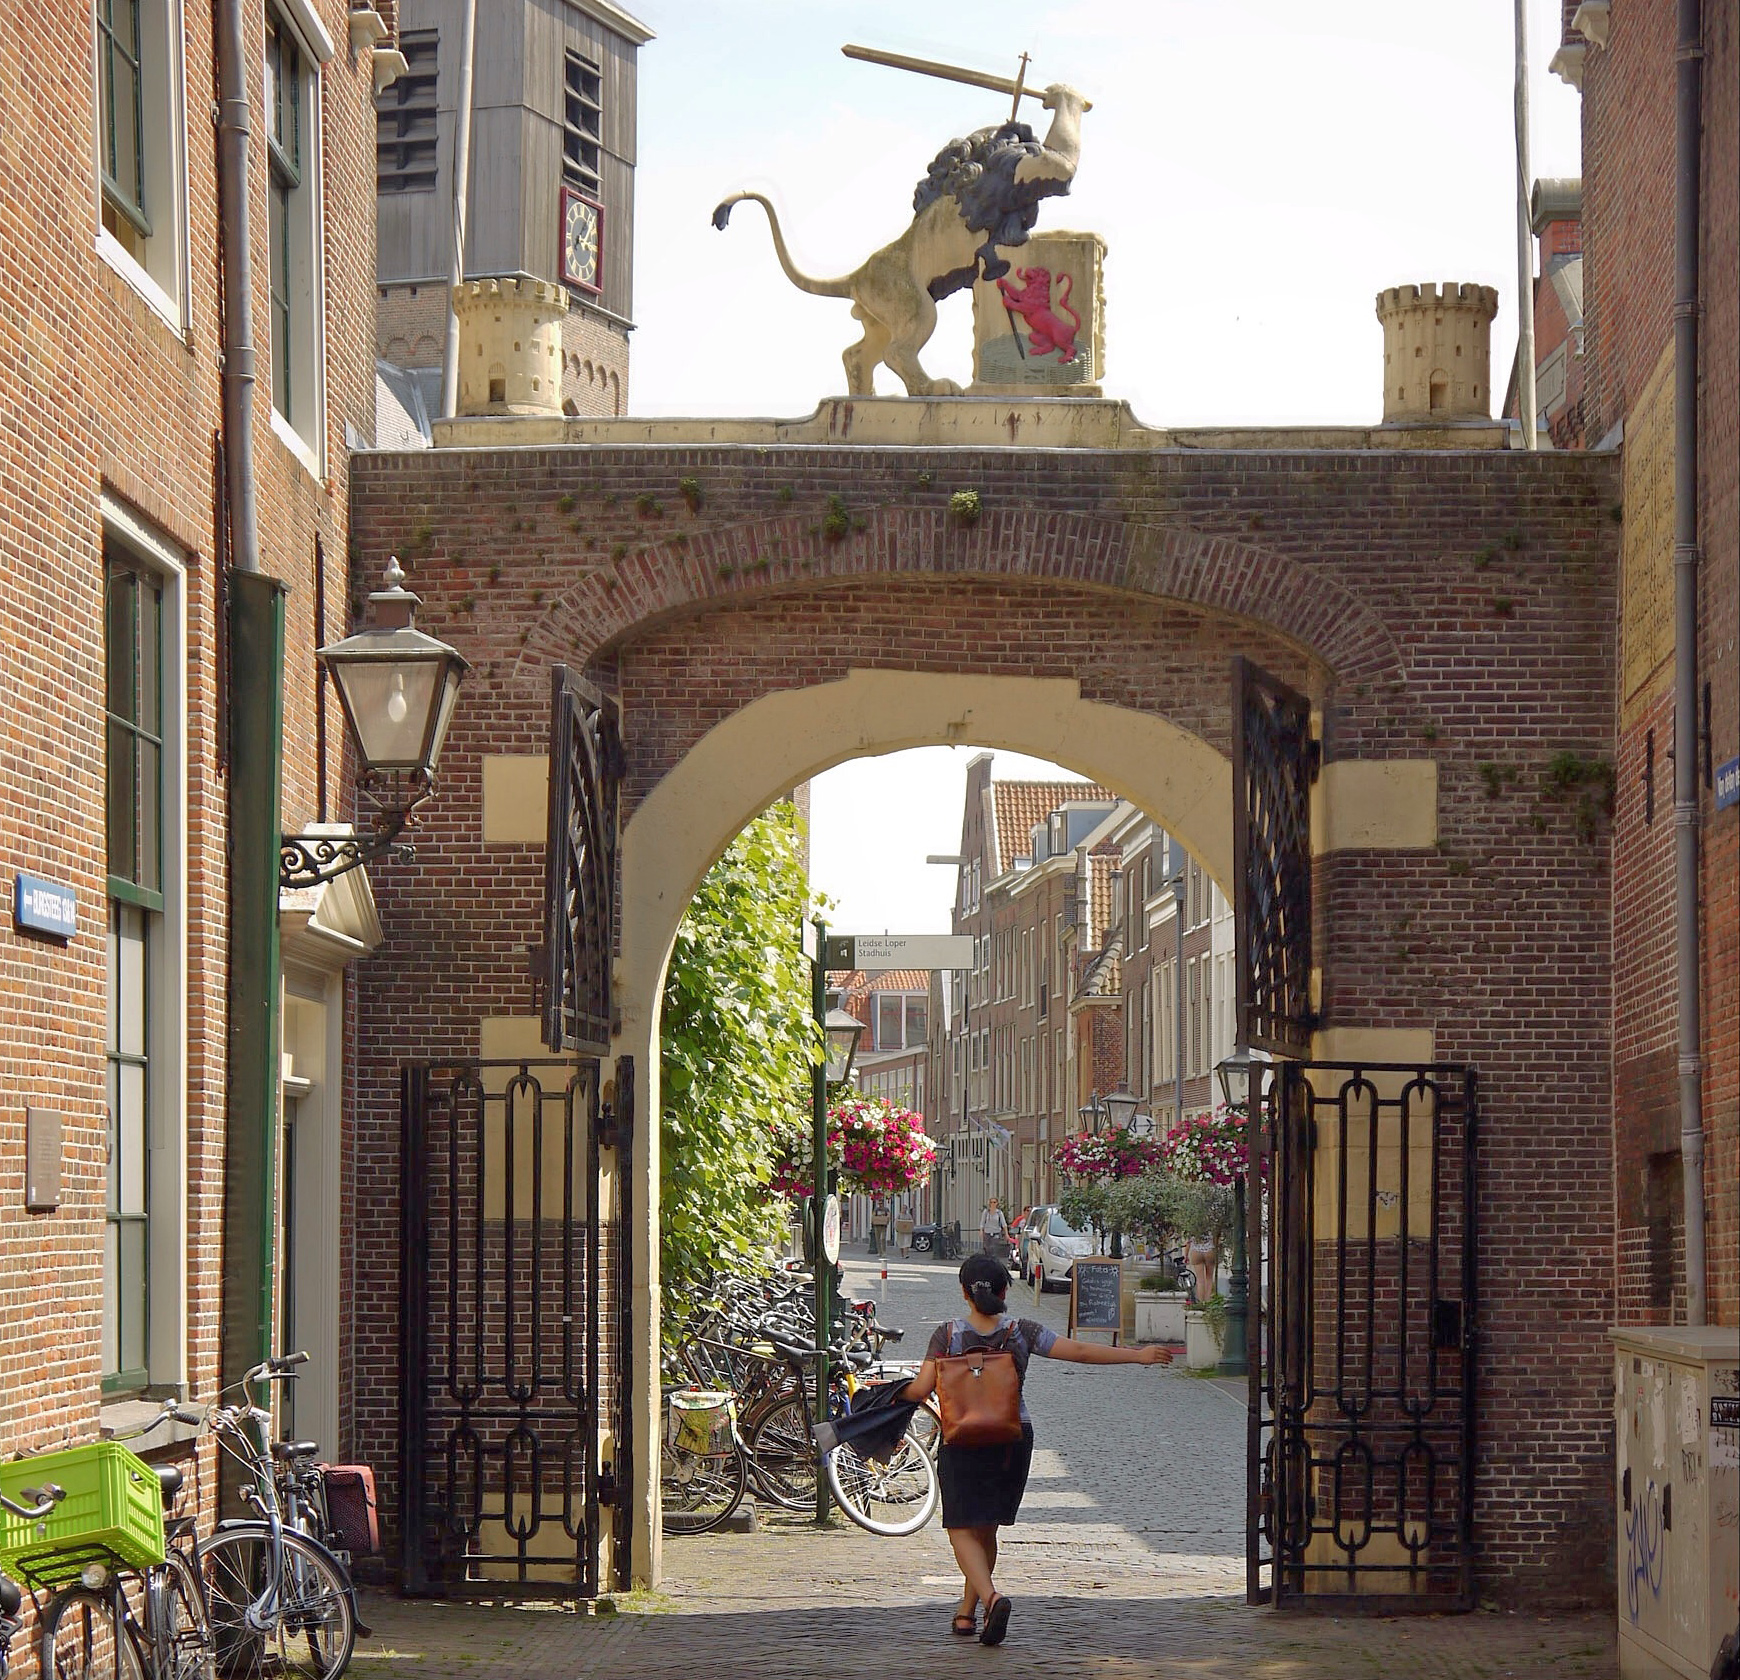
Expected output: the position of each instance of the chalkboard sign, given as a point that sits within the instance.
(1096, 1295)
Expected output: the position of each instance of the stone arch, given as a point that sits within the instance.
(780, 739)
(1302, 603)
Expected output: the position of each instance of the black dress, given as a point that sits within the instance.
(982, 1486)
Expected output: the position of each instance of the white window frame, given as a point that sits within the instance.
(166, 1254)
(304, 433)
(162, 278)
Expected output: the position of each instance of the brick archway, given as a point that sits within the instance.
(690, 572)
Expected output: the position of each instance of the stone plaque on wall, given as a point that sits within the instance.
(1039, 330)
(41, 1160)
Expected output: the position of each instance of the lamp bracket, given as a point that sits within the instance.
(307, 860)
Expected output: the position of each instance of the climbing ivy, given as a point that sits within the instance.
(737, 1044)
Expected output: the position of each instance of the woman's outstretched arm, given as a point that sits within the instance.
(923, 1385)
(1097, 1353)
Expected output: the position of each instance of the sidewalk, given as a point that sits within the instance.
(794, 1602)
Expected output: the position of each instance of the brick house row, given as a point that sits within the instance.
(1104, 958)
(123, 562)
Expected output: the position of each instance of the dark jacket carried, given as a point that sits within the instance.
(875, 1424)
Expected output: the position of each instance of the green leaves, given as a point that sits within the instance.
(737, 1049)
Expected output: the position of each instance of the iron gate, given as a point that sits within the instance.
(1361, 1208)
(514, 1329)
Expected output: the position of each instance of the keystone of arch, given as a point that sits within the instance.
(1302, 602)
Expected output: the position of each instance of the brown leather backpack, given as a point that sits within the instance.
(979, 1396)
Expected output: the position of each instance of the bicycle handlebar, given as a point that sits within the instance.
(46, 1498)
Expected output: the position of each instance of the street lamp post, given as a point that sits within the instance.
(1121, 1106)
(1177, 885)
(1235, 1084)
(398, 688)
(839, 1032)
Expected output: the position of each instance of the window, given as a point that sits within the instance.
(292, 231)
(582, 124)
(1193, 1056)
(887, 1021)
(1147, 1044)
(133, 702)
(140, 146)
(917, 1021)
(406, 120)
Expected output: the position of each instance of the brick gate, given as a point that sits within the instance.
(761, 610)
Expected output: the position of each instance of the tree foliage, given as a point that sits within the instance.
(738, 1043)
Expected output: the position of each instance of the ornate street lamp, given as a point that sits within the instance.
(1235, 1084)
(1121, 1106)
(398, 688)
(1093, 1113)
(842, 1032)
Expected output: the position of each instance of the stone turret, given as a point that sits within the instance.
(1437, 352)
(510, 346)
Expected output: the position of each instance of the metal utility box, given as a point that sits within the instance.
(1677, 1422)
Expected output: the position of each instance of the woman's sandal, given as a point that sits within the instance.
(965, 1626)
(996, 1621)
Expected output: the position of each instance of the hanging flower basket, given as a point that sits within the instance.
(1090, 1157)
(1206, 1149)
(876, 1148)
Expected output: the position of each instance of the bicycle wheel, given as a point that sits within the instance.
(187, 1633)
(898, 1497)
(310, 1631)
(81, 1640)
(926, 1428)
(698, 1491)
(782, 1454)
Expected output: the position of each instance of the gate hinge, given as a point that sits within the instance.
(607, 1489)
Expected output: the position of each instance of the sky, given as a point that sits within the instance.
(1259, 170)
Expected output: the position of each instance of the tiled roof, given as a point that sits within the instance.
(900, 980)
(1103, 864)
(1020, 806)
(1103, 977)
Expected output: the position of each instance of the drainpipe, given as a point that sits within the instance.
(1688, 138)
(256, 718)
(1525, 240)
(461, 200)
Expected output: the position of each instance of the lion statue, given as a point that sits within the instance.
(980, 195)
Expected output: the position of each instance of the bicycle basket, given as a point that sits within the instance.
(702, 1421)
(113, 1504)
(351, 1513)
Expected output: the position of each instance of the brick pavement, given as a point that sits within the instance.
(1112, 1573)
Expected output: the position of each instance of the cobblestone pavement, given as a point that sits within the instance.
(1128, 1561)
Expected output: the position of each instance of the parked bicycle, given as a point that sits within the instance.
(43, 1501)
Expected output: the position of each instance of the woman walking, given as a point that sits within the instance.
(982, 1486)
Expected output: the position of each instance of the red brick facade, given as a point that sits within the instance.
(1628, 195)
(1451, 606)
(106, 402)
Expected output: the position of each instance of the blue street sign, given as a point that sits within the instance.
(1728, 784)
(44, 907)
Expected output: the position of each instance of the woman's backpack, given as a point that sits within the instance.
(979, 1396)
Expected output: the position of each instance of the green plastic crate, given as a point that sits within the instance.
(113, 1504)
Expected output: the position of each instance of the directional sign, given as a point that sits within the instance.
(1728, 784)
(44, 907)
(899, 950)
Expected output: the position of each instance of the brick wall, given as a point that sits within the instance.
(1628, 162)
(1453, 606)
(98, 394)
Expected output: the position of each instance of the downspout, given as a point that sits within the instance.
(1688, 139)
(1525, 241)
(255, 701)
(461, 202)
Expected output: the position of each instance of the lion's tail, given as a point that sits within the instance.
(1067, 287)
(839, 288)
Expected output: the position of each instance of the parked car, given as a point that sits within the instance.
(1030, 1234)
(1055, 1250)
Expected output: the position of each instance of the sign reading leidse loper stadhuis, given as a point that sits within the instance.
(899, 950)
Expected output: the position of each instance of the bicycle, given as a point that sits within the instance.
(278, 1601)
(115, 1618)
(11, 1594)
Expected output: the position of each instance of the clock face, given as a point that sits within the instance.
(582, 241)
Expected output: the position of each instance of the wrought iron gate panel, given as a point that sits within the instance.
(1274, 764)
(580, 866)
(1363, 1233)
(510, 1349)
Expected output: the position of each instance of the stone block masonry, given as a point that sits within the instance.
(1454, 606)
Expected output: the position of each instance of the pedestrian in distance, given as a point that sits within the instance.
(982, 1485)
(993, 1228)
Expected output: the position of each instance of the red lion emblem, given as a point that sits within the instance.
(1032, 302)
